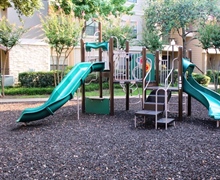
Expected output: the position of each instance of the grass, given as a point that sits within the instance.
(19, 93)
(91, 90)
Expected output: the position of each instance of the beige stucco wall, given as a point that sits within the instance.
(197, 56)
(29, 56)
(197, 52)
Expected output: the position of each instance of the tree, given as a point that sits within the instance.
(23, 7)
(209, 37)
(9, 37)
(62, 32)
(151, 40)
(94, 10)
(176, 15)
(114, 28)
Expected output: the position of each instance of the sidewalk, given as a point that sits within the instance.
(10, 100)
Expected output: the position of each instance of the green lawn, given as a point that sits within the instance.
(12, 93)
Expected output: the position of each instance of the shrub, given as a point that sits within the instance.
(201, 79)
(36, 79)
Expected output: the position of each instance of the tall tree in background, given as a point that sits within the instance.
(151, 40)
(23, 7)
(209, 37)
(9, 37)
(11, 33)
(122, 32)
(176, 15)
(94, 10)
(63, 33)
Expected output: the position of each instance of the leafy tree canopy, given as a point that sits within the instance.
(9, 37)
(61, 30)
(87, 9)
(94, 9)
(167, 15)
(23, 7)
(151, 40)
(121, 32)
(209, 37)
(63, 33)
(9, 34)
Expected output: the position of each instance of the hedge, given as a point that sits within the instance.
(36, 79)
(201, 79)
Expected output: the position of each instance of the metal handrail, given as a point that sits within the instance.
(165, 102)
(170, 74)
(144, 80)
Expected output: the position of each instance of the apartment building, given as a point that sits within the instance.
(34, 54)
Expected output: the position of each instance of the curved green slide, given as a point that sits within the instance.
(63, 92)
(210, 99)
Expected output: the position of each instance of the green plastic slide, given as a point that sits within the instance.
(210, 99)
(63, 92)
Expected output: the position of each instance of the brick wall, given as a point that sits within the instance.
(29, 56)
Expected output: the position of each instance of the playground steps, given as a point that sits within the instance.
(146, 113)
(151, 106)
(156, 100)
(154, 106)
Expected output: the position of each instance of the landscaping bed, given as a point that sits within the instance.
(107, 147)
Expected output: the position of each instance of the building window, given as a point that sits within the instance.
(134, 26)
(132, 1)
(91, 28)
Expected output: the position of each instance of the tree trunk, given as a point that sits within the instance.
(83, 30)
(213, 73)
(217, 71)
(57, 70)
(3, 72)
(184, 42)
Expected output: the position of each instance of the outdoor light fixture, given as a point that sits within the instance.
(172, 43)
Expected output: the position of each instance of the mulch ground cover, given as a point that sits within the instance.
(107, 147)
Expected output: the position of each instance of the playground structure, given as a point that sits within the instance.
(128, 69)
(125, 68)
(121, 66)
(156, 102)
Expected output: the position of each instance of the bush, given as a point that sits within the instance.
(36, 79)
(201, 79)
(39, 79)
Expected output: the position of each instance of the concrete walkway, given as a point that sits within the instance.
(10, 100)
